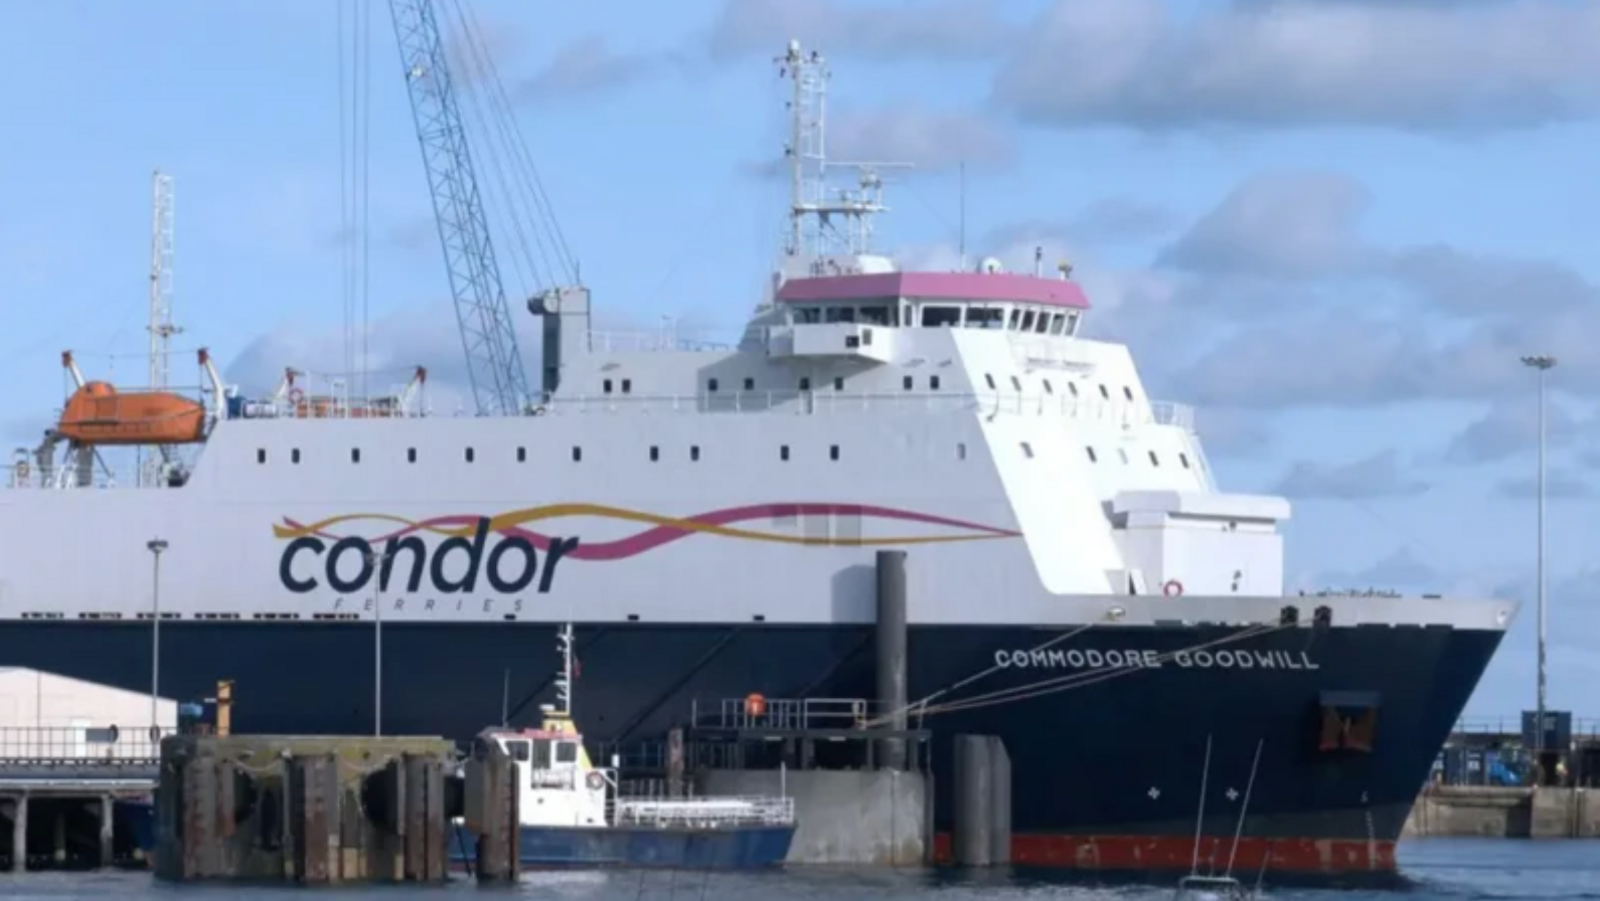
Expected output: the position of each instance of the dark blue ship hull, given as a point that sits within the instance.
(1106, 771)
(550, 847)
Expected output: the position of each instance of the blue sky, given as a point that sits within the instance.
(1332, 225)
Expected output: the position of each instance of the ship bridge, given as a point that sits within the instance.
(855, 315)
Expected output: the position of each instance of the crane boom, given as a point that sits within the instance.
(494, 365)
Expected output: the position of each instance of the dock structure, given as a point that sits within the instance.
(309, 810)
(59, 788)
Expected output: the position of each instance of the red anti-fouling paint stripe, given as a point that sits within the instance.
(1152, 852)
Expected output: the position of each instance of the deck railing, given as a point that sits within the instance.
(73, 745)
(716, 812)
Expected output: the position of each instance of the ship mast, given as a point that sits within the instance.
(161, 328)
(564, 676)
(812, 229)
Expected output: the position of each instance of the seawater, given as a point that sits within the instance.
(1432, 870)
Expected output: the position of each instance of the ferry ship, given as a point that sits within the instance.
(708, 517)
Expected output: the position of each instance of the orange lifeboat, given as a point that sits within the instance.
(99, 414)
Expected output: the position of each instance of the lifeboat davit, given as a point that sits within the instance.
(98, 413)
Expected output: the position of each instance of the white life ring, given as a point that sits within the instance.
(1172, 588)
(594, 780)
(296, 396)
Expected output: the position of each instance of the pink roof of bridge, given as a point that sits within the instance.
(971, 286)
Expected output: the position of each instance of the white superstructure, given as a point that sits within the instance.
(961, 415)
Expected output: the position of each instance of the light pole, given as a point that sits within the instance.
(376, 561)
(1543, 364)
(156, 546)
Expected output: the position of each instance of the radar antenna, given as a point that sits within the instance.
(806, 152)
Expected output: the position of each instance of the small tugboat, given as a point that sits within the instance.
(573, 816)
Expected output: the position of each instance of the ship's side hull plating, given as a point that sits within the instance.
(1108, 745)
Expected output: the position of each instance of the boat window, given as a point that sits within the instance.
(990, 380)
(838, 383)
(1154, 461)
(1027, 450)
(986, 318)
(941, 317)
(1027, 320)
(694, 452)
(1104, 393)
(1016, 383)
(907, 382)
(961, 450)
(522, 455)
(807, 315)
(355, 455)
(261, 455)
(1184, 459)
(711, 386)
(1042, 324)
(1092, 457)
(566, 752)
(1058, 323)
(627, 386)
(1072, 323)
(805, 383)
(577, 454)
(468, 454)
(1047, 388)
(749, 384)
(833, 452)
(1072, 388)
(839, 314)
(1016, 318)
(541, 754)
(605, 386)
(655, 453)
(783, 452)
(933, 383)
(877, 315)
(1122, 453)
(518, 751)
(411, 455)
(294, 455)
(1127, 392)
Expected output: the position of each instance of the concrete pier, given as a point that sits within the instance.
(308, 810)
(1493, 812)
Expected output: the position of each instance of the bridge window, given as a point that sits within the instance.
(933, 383)
(1058, 323)
(1042, 324)
(566, 752)
(1027, 320)
(1027, 450)
(1184, 459)
(907, 382)
(518, 750)
(1047, 388)
(1154, 461)
(1122, 452)
(1127, 392)
(985, 317)
(294, 455)
(711, 386)
(941, 317)
(749, 384)
(877, 315)
(605, 386)
(1017, 384)
(1104, 393)
(839, 314)
(990, 380)
(1072, 388)
(355, 455)
(627, 386)
(261, 455)
(411, 455)
(807, 316)
(1092, 457)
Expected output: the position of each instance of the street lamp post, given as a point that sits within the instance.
(156, 546)
(1543, 363)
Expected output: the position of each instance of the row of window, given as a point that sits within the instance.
(1122, 453)
(906, 382)
(694, 454)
